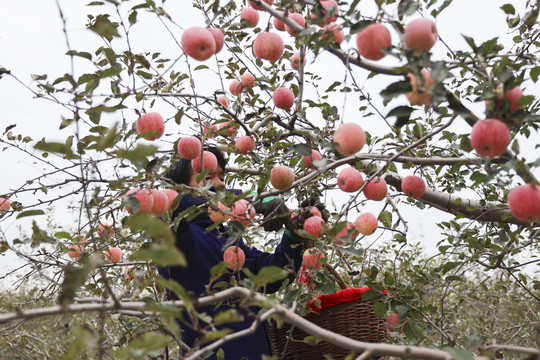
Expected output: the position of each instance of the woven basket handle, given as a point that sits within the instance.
(338, 277)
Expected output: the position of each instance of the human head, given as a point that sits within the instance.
(182, 172)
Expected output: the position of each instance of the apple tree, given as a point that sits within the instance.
(361, 105)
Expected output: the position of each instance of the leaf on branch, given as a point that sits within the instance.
(104, 27)
(228, 316)
(82, 54)
(30, 213)
(402, 113)
(215, 335)
(74, 276)
(152, 226)
(302, 149)
(268, 275)
(150, 341)
(160, 254)
(137, 155)
(460, 354)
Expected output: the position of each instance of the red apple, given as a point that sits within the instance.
(420, 34)
(344, 232)
(251, 15)
(328, 6)
(222, 214)
(313, 226)
(235, 87)
(513, 95)
(226, 129)
(75, 250)
(223, 100)
(420, 94)
(350, 138)
(281, 177)
(219, 38)
(371, 40)
(490, 137)
(209, 161)
(312, 258)
(114, 254)
(376, 189)
(151, 124)
(248, 80)
(105, 231)
(245, 144)
(234, 257)
(171, 195)
(161, 202)
(144, 197)
(339, 35)
(366, 223)
(240, 212)
(295, 61)
(198, 43)
(278, 24)
(350, 180)
(299, 19)
(189, 147)
(315, 155)
(524, 202)
(413, 186)
(130, 273)
(268, 46)
(5, 205)
(256, 7)
(283, 98)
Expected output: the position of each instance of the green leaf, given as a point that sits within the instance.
(53, 147)
(108, 140)
(397, 88)
(402, 113)
(214, 335)
(150, 341)
(311, 340)
(114, 70)
(302, 149)
(380, 309)
(30, 213)
(228, 316)
(535, 73)
(180, 292)
(152, 226)
(386, 218)
(104, 27)
(460, 354)
(39, 236)
(74, 276)
(269, 274)
(412, 330)
(82, 54)
(160, 254)
(139, 154)
(508, 9)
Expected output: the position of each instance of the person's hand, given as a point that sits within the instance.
(314, 202)
(275, 212)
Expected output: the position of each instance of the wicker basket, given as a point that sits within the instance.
(354, 319)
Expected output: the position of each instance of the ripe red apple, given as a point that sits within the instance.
(219, 38)
(339, 35)
(251, 15)
(130, 273)
(366, 223)
(152, 124)
(281, 177)
(490, 137)
(420, 34)
(283, 98)
(413, 186)
(234, 257)
(105, 231)
(299, 19)
(278, 24)
(5, 205)
(161, 202)
(114, 254)
(524, 202)
(295, 61)
(209, 161)
(371, 40)
(248, 80)
(223, 100)
(512, 96)
(327, 7)
(376, 189)
(226, 129)
(235, 87)
(189, 147)
(393, 319)
(350, 180)
(198, 43)
(241, 213)
(421, 92)
(256, 7)
(245, 144)
(222, 214)
(312, 258)
(350, 138)
(268, 46)
(171, 195)
(313, 225)
(315, 155)
(75, 250)
(144, 197)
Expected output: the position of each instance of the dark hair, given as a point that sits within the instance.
(181, 171)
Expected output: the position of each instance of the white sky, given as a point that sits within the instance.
(32, 42)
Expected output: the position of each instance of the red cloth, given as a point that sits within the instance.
(346, 295)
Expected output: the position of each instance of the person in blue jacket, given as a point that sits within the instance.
(204, 249)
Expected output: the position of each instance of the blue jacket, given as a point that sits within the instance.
(203, 250)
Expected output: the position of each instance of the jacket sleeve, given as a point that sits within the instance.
(288, 254)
